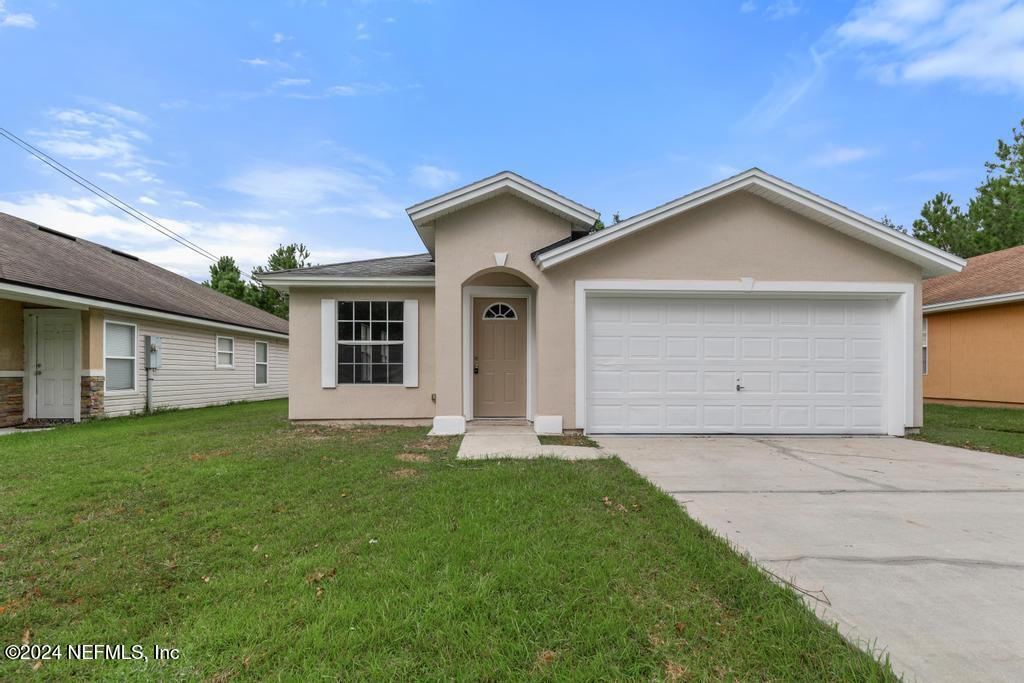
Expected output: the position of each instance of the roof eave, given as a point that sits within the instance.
(932, 260)
(991, 300)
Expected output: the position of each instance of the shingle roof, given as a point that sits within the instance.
(1001, 272)
(40, 257)
(416, 265)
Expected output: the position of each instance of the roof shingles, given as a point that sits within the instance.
(415, 265)
(1001, 272)
(35, 257)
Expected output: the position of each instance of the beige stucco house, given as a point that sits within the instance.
(87, 331)
(749, 306)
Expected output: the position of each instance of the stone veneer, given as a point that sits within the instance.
(11, 401)
(92, 397)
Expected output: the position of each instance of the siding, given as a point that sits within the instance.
(188, 376)
(976, 354)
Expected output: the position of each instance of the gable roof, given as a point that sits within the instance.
(425, 213)
(987, 279)
(933, 261)
(413, 270)
(45, 259)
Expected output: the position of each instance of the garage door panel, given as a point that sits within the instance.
(672, 365)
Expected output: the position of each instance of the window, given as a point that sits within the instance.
(500, 311)
(262, 363)
(225, 352)
(119, 356)
(924, 347)
(370, 342)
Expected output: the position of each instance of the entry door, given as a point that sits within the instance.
(674, 365)
(56, 385)
(499, 357)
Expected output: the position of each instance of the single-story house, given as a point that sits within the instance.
(973, 342)
(749, 306)
(87, 331)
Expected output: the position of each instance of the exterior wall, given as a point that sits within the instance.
(738, 236)
(188, 376)
(976, 354)
(12, 363)
(308, 401)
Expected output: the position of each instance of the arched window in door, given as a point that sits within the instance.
(500, 311)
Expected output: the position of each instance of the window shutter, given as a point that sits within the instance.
(328, 343)
(410, 345)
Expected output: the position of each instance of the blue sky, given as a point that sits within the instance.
(245, 125)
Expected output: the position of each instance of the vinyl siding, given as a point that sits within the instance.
(188, 376)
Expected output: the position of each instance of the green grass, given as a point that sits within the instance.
(569, 439)
(264, 550)
(996, 430)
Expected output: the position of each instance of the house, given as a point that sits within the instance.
(749, 306)
(973, 341)
(75, 320)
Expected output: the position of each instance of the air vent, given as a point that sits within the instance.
(57, 233)
(124, 255)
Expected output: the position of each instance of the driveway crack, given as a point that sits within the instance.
(906, 560)
(793, 453)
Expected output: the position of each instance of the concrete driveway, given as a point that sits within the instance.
(918, 548)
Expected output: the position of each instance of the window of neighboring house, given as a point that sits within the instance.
(370, 337)
(225, 352)
(119, 356)
(262, 363)
(924, 347)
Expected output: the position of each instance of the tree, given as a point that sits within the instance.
(285, 257)
(226, 278)
(994, 218)
(889, 223)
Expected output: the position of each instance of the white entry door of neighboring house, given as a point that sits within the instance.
(735, 365)
(56, 386)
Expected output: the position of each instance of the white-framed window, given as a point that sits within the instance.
(225, 352)
(924, 347)
(371, 338)
(119, 353)
(262, 363)
(500, 311)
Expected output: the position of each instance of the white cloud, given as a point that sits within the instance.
(292, 82)
(321, 189)
(782, 9)
(280, 38)
(80, 134)
(15, 19)
(433, 177)
(786, 93)
(149, 201)
(748, 6)
(979, 42)
(838, 156)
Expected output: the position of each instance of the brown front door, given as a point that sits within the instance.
(499, 357)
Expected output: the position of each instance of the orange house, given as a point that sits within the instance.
(973, 333)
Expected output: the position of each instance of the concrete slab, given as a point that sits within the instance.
(918, 548)
(485, 440)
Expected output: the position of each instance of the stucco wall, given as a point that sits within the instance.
(976, 355)
(739, 236)
(308, 401)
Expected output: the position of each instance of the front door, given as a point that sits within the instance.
(499, 357)
(56, 386)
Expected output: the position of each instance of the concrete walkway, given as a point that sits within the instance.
(913, 548)
(514, 439)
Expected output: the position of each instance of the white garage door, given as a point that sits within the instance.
(722, 365)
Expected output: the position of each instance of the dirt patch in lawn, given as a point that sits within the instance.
(405, 473)
(412, 457)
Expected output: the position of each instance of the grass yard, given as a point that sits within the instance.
(997, 430)
(570, 439)
(264, 550)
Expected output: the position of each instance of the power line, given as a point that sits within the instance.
(107, 196)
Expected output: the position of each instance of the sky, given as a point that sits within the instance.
(248, 125)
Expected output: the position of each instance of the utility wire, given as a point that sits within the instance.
(106, 196)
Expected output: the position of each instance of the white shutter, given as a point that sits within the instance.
(328, 343)
(410, 345)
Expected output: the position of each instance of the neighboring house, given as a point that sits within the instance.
(748, 306)
(75, 317)
(973, 339)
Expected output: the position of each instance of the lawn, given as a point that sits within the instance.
(997, 430)
(264, 550)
